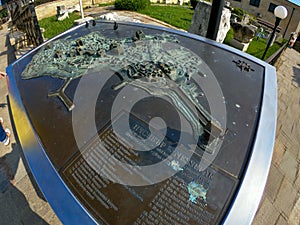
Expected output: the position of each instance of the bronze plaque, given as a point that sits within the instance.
(166, 75)
(190, 196)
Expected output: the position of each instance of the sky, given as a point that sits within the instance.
(297, 2)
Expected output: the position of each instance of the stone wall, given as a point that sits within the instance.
(49, 9)
(201, 18)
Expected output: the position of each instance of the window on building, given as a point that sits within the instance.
(254, 2)
(272, 7)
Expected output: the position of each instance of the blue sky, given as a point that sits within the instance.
(297, 2)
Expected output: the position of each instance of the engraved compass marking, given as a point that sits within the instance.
(243, 66)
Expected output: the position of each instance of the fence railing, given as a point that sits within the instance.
(273, 58)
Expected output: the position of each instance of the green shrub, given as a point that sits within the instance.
(54, 27)
(133, 5)
(239, 12)
(3, 13)
(229, 36)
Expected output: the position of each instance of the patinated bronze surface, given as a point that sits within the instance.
(145, 61)
(133, 60)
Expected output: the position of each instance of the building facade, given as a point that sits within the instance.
(264, 10)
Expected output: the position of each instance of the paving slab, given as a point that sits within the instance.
(267, 214)
(20, 200)
(281, 221)
(285, 198)
(274, 182)
(289, 165)
(286, 158)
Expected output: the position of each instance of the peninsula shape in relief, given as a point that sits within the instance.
(154, 63)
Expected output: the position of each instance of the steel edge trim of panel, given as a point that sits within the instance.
(252, 186)
(61, 199)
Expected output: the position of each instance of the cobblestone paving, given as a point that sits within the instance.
(281, 201)
(21, 202)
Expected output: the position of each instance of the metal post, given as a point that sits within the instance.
(214, 19)
(271, 37)
(81, 9)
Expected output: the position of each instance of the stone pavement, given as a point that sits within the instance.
(22, 203)
(281, 201)
(20, 200)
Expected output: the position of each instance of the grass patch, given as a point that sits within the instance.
(257, 48)
(53, 27)
(229, 36)
(177, 16)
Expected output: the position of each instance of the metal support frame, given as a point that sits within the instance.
(214, 19)
(271, 37)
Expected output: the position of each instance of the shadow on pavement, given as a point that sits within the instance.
(3, 105)
(14, 206)
(10, 51)
(296, 75)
